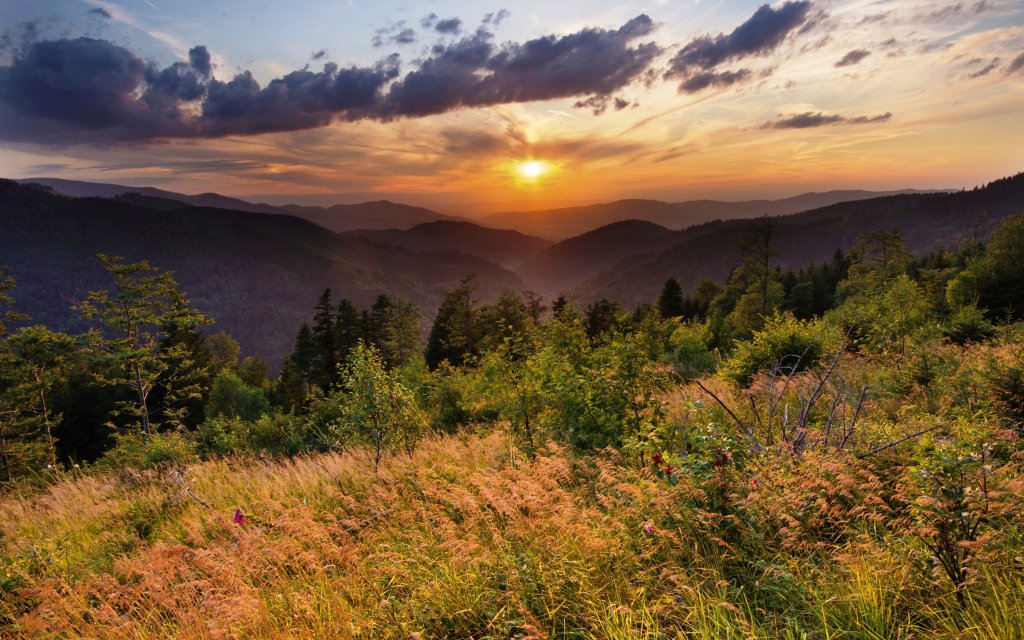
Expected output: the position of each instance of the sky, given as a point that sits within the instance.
(481, 106)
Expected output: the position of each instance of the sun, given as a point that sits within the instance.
(532, 169)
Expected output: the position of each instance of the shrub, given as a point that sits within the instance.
(160, 451)
(785, 341)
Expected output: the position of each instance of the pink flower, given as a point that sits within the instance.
(754, 483)
(239, 518)
(649, 528)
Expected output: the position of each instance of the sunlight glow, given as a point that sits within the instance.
(533, 169)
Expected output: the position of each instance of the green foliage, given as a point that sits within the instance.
(159, 451)
(784, 342)
(689, 349)
(454, 335)
(992, 280)
(144, 307)
(968, 324)
(376, 408)
(670, 301)
(232, 398)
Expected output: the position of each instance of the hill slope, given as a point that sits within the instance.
(508, 248)
(258, 275)
(925, 221)
(566, 222)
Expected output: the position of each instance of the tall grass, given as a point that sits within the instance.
(463, 539)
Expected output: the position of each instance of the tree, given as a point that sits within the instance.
(223, 350)
(670, 302)
(376, 407)
(601, 317)
(455, 334)
(348, 330)
(324, 360)
(7, 283)
(993, 279)
(135, 317)
(402, 335)
(40, 359)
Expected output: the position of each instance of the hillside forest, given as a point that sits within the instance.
(830, 450)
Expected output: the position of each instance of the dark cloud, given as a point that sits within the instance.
(761, 34)
(449, 26)
(992, 65)
(811, 119)
(474, 72)
(394, 34)
(318, 55)
(101, 12)
(701, 81)
(951, 11)
(852, 58)
(495, 19)
(90, 91)
(1016, 65)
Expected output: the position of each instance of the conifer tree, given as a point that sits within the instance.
(454, 335)
(670, 302)
(324, 361)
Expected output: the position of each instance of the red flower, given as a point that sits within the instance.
(657, 459)
(239, 517)
(669, 470)
(754, 483)
(721, 457)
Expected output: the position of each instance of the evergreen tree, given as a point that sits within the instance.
(670, 302)
(601, 317)
(324, 363)
(347, 329)
(454, 336)
(402, 338)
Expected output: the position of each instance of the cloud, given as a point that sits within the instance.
(707, 79)
(852, 58)
(473, 72)
(449, 26)
(495, 19)
(394, 34)
(761, 34)
(90, 91)
(987, 69)
(319, 54)
(1016, 65)
(811, 119)
(101, 12)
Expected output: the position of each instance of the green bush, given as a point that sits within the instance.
(689, 349)
(784, 341)
(160, 451)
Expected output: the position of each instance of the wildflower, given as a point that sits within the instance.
(669, 470)
(657, 459)
(755, 484)
(239, 518)
(721, 457)
(649, 528)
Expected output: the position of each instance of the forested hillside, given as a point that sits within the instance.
(255, 274)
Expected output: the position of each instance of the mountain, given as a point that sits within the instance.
(926, 222)
(566, 222)
(80, 189)
(258, 275)
(564, 266)
(342, 217)
(381, 215)
(507, 248)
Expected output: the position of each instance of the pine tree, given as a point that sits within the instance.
(324, 364)
(347, 329)
(454, 335)
(670, 302)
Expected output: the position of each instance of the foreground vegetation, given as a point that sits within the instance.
(829, 453)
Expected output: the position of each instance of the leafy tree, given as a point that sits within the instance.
(253, 372)
(670, 302)
(224, 351)
(455, 334)
(376, 408)
(40, 360)
(507, 317)
(993, 280)
(232, 398)
(136, 317)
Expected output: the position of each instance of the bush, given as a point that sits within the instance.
(785, 341)
(689, 350)
(160, 451)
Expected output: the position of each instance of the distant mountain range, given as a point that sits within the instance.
(566, 222)
(259, 273)
(381, 214)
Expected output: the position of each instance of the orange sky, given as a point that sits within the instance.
(931, 95)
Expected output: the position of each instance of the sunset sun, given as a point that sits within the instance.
(533, 169)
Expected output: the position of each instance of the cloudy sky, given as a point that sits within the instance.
(533, 103)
